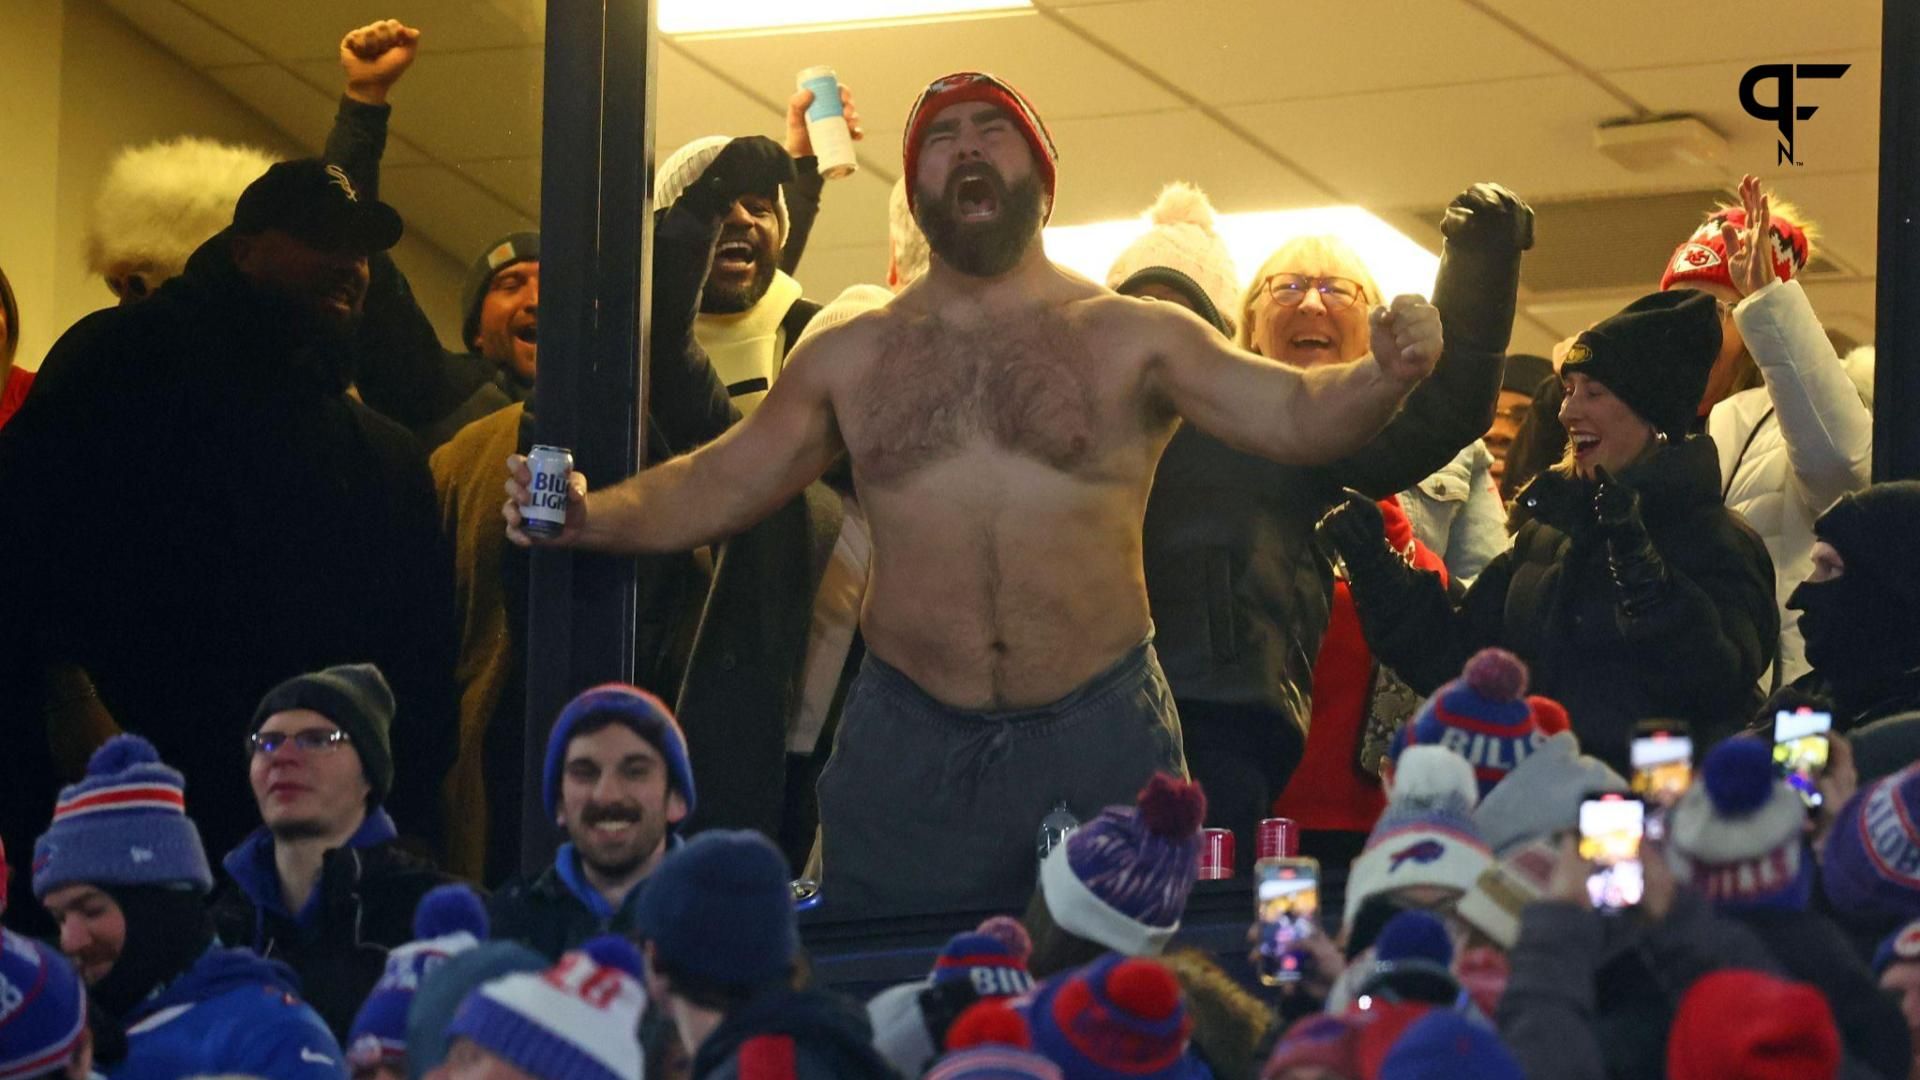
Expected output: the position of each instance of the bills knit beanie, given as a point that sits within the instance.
(1426, 835)
(720, 908)
(1484, 716)
(1743, 1025)
(1737, 832)
(1443, 1045)
(448, 922)
(447, 985)
(1122, 879)
(1872, 867)
(578, 1021)
(649, 718)
(1118, 1018)
(358, 700)
(43, 1008)
(124, 823)
(991, 1042)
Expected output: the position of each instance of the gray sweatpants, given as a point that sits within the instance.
(925, 807)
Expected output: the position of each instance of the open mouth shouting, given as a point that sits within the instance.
(734, 256)
(1585, 444)
(527, 333)
(975, 194)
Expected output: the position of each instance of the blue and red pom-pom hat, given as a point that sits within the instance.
(1118, 1018)
(965, 86)
(124, 823)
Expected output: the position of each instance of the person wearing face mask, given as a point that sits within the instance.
(1631, 590)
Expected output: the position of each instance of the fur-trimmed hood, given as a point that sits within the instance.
(160, 201)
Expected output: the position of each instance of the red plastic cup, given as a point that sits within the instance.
(1279, 839)
(1216, 854)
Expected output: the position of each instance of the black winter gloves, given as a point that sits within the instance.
(1488, 215)
(1639, 574)
(1357, 530)
(752, 164)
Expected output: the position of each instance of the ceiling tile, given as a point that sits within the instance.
(295, 107)
(1411, 147)
(516, 181)
(694, 103)
(1430, 43)
(1845, 207)
(1160, 147)
(465, 106)
(185, 34)
(312, 31)
(1655, 33)
(456, 214)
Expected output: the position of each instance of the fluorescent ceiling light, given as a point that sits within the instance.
(777, 16)
(1397, 263)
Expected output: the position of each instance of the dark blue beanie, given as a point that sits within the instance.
(649, 718)
(720, 908)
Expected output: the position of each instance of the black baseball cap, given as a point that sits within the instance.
(318, 204)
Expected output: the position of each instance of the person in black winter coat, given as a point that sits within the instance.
(1240, 593)
(1629, 596)
(198, 510)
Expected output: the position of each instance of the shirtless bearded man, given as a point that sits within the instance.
(1004, 417)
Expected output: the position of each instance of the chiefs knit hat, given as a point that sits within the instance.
(965, 86)
(1900, 947)
(124, 823)
(720, 907)
(1118, 1018)
(1443, 1045)
(448, 922)
(358, 700)
(1701, 259)
(1743, 1025)
(990, 1041)
(1180, 238)
(578, 1021)
(512, 248)
(686, 165)
(1542, 795)
(1737, 832)
(649, 718)
(1426, 835)
(1484, 716)
(1654, 355)
(43, 1009)
(1872, 867)
(1122, 879)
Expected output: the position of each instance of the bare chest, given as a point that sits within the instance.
(934, 391)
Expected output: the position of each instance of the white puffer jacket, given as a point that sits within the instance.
(1789, 449)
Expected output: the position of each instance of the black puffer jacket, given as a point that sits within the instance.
(1696, 655)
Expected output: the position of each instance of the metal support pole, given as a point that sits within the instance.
(596, 247)
(1896, 380)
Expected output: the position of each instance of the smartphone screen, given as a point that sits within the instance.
(1662, 767)
(1286, 901)
(1800, 750)
(1610, 831)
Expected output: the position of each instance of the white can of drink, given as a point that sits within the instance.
(546, 513)
(827, 123)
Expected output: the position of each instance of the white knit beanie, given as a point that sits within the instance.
(684, 166)
(1181, 238)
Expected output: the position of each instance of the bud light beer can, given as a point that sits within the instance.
(827, 123)
(546, 514)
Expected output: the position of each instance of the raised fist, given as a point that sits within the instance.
(751, 164)
(1488, 215)
(1405, 338)
(375, 56)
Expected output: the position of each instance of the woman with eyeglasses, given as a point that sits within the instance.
(1630, 590)
(1241, 594)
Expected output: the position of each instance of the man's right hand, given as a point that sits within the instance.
(375, 56)
(751, 164)
(520, 493)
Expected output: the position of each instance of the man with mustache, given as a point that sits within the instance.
(200, 510)
(619, 782)
(1003, 418)
(323, 884)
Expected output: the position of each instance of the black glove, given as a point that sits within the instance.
(1358, 531)
(752, 164)
(1488, 215)
(1639, 574)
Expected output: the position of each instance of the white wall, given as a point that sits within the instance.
(78, 84)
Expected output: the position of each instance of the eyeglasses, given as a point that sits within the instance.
(1337, 293)
(309, 740)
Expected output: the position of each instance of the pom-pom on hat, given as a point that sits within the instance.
(984, 962)
(991, 1042)
(43, 1008)
(649, 718)
(720, 907)
(1122, 879)
(1752, 1026)
(1426, 836)
(1484, 716)
(1443, 1045)
(1118, 1017)
(1324, 1040)
(1872, 868)
(449, 921)
(1180, 238)
(578, 1021)
(1654, 355)
(358, 700)
(1737, 831)
(124, 823)
(965, 86)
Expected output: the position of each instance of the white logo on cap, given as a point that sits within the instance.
(500, 256)
(1694, 257)
(140, 854)
(338, 177)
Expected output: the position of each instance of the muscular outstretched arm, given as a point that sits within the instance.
(718, 490)
(1291, 415)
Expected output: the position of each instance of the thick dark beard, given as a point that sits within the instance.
(990, 249)
(717, 299)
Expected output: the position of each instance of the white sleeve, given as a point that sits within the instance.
(1828, 430)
